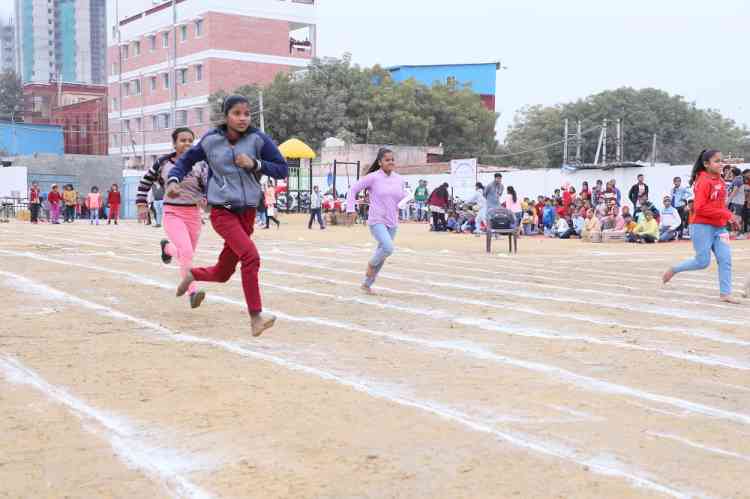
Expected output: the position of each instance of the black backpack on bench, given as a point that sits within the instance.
(501, 218)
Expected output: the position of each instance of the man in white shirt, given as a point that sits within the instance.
(316, 204)
(670, 221)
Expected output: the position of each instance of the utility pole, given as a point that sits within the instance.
(262, 116)
(173, 70)
(604, 142)
(578, 142)
(653, 152)
(619, 140)
(565, 143)
(599, 147)
(119, 73)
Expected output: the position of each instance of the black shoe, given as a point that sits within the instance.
(164, 257)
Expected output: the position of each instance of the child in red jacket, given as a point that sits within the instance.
(708, 228)
(55, 202)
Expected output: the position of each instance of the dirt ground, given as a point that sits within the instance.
(564, 371)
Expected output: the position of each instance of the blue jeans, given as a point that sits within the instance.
(159, 209)
(94, 215)
(384, 236)
(421, 212)
(707, 238)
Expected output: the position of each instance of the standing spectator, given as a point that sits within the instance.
(438, 203)
(157, 191)
(618, 194)
(670, 221)
(736, 193)
(93, 203)
(638, 192)
(420, 198)
(35, 202)
(70, 199)
(481, 204)
(680, 196)
(746, 212)
(270, 198)
(493, 192)
(113, 200)
(55, 201)
(597, 192)
(512, 203)
(316, 205)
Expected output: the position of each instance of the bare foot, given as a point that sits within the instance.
(668, 275)
(182, 288)
(261, 322)
(367, 289)
(729, 299)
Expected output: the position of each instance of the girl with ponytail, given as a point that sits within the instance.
(386, 190)
(708, 231)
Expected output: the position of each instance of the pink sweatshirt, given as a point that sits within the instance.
(386, 191)
(94, 200)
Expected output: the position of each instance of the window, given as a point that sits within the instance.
(165, 79)
(164, 120)
(199, 27)
(114, 139)
(165, 39)
(199, 116)
(152, 84)
(124, 50)
(182, 76)
(183, 33)
(136, 87)
(180, 118)
(154, 122)
(126, 89)
(152, 42)
(114, 68)
(136, 48)
(125, 125)
(199, 72)
(114, 103)
(138, 124)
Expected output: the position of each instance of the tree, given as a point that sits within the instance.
(331, 98)
(682, 128)
(11, 95)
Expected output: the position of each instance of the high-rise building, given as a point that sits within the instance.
(61, 40)
(166, 61)
(7, 47)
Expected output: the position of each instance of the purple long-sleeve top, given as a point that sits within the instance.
(386, 191)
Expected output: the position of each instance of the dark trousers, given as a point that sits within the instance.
(315, 213)
(682, 210)
(438, 221)
(35, 208)
(70, 213)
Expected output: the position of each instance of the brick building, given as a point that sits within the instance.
(156, 84)
(81, 110)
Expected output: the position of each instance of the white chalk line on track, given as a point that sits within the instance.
(467, 349)
(642, 308)
(696, 445)
(165, 465)
(601, 465)
(692, 331)
(492, 326)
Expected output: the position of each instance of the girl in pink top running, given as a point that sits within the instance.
(386, 189)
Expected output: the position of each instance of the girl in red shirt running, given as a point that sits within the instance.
(708, 230)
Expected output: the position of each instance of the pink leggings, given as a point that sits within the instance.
(183, 227)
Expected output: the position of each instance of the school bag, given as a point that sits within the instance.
(501, 218)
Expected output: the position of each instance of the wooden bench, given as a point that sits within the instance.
(512, 239)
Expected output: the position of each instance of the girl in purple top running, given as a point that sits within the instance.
(386, 188)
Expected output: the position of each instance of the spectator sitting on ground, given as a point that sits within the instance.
(670, 222)
(630, 224)
(451, 224)
(647, 231)
(591, 226)
(528, 222)
(644, 207)
(576, 227)
(561, 227)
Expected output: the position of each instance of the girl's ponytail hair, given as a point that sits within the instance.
(376, 164)
(700, 163)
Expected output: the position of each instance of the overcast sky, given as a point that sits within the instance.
(555, 51)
